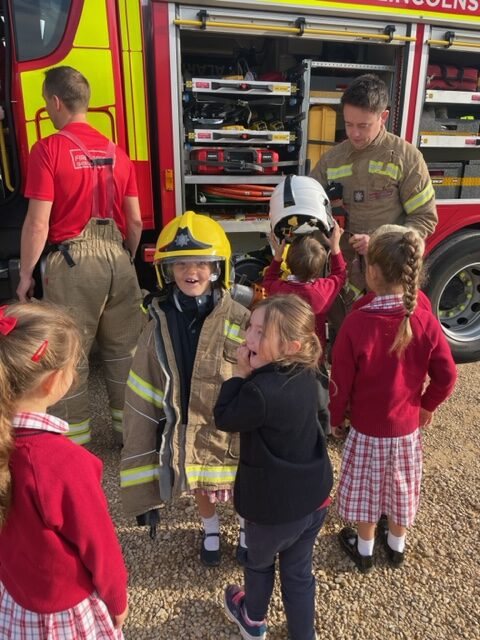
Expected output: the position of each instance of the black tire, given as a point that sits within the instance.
(249, 269)
(453, 286)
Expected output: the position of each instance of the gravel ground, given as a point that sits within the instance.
(432, 597)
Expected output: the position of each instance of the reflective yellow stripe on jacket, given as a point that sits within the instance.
(145, 390)
(231, 330)
(139, 475)
(215, 475)
(344, 170)
(385, 169)
(419, 199)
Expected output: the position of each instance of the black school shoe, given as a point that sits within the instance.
(348, 540)
(395, 558)
(209, 558)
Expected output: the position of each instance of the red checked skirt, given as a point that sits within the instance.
(380, 475)
(88, 620)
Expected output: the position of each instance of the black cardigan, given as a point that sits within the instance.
(284, 472)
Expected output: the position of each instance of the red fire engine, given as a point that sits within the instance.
(216, 104)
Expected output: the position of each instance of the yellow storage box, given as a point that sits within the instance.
(321, 128)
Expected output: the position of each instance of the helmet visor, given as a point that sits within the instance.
(180, 258)
(166, 266)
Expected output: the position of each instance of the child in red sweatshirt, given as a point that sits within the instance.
(306, 260)
(61, 568)
(383, 355)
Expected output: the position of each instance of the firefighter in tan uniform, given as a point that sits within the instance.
(186, 351)
(84, 208)
(381, 179)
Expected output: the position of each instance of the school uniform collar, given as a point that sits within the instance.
(39, 422)
(386, 301)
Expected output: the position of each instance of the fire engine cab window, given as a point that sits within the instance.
(38, 26)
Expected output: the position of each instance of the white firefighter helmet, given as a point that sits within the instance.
(299, 205)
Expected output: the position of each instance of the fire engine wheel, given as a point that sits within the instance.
(453, 272)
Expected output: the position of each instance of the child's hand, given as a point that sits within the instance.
(334, 240)
(243, 368)
(120, 619)
(278, 247)
(426, 418)
(340, 431)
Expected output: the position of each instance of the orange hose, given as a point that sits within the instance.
(236, 195)
(237, 191)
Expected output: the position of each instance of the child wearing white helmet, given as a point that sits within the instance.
(299, 210)
(171, 445)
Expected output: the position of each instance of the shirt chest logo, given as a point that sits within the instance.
(359, 196)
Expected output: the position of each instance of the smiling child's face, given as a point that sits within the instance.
(193, 277)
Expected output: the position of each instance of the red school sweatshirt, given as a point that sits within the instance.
(320, 293)
(383, 393)
(59, 544)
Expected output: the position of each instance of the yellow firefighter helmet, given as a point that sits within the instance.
(192, 235)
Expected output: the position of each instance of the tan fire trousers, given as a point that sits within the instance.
(102, 293)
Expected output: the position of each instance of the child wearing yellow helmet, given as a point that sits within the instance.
(186, 351)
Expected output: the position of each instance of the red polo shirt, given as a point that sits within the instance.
(59, 173)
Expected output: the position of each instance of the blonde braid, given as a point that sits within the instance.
(411, 270)
(412, 249)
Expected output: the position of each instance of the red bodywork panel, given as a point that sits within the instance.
(453, 218)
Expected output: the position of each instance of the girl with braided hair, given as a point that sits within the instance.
(391, 368)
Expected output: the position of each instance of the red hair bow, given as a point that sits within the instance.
(7, 323)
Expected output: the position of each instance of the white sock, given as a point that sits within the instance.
(241, 540)
(211, 525)
(365, 547)
(396, 543)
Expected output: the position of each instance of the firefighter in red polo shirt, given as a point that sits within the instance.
(84, 208)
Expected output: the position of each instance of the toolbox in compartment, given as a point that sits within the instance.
(446, 179)
(232, 160)
(471, 180)
(432, 123)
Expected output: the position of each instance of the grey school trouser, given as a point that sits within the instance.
(102, 293)
(293, 542)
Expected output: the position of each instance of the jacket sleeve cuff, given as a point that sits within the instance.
(337, 261)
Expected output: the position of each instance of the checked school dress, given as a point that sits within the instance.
(382, 460)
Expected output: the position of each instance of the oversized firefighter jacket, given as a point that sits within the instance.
(161, 458)
(385, 183)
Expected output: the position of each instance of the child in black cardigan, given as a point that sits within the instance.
(284, 476)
